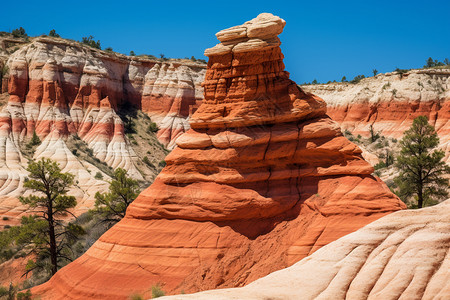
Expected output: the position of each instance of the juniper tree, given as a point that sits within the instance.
(45, 233)
(113, 204)
(421, 167)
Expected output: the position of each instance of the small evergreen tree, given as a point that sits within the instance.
(19, 32)
(132, 53)
(53, 33)
(421, 167)
(375, 72)
(113, 204)
(35, 140)
(430, 63)
(315, 81)
(46, 234)
(91, 42)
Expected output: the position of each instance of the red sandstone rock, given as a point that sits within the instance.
(390, 102)
(59, 89)
(401, 256)
(262, 179)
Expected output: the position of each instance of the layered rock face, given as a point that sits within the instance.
(262, 179)
(390, 102)
(404, 255)
(62, 90)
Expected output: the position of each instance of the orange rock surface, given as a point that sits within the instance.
(401, 256)
(262, 179)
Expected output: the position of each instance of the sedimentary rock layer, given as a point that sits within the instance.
(404, 255)
(262, 179)
(390, 102)
(63, 91)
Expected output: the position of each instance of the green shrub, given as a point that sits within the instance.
(152, 127)
(75, 152)
(357, 79)
(35, 140)
(5, 218)
(98, 176)
(147, 162)
(136, 297)
(380, 165)
(53, 33)
(162, 163)
(3, 291)
(19, 32)
(157, 291)
(24, 295)
(90, 42)
(132, 53)
(109, 49)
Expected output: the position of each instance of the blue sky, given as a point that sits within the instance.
(322, 40)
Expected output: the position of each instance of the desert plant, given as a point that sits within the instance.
(19, 32)
(98, 176)
(109, 49)
(152, 127)
(91, 42)
(132, 53)
(375, 72)
(157, 291)
(421, 166)
(357, 79)
(113, 204)
(35, 140)
(344, 79)
(46, 234)
(53, 33)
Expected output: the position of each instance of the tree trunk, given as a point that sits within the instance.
(420, 198)
(53, 254)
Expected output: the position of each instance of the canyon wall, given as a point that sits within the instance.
(404, 255)
(390, 102)
(71, 96)
(262, 179)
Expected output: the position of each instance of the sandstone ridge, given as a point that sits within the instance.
(262, 179)
(390, 102)
(401, 256)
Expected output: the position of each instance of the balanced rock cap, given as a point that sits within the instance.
(259, 33)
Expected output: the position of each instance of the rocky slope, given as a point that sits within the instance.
(404, 255)
(262, 179)
(71, 96)
(390, 102)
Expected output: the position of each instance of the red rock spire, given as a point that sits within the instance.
(262, 179)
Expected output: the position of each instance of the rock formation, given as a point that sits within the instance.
(390, 102)
(404, 255)
(262, 179)
(70, 94)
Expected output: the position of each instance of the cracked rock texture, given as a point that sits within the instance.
(262, 179)
(404, 255)
(390, 102)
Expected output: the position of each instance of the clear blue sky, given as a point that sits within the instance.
(322, 40)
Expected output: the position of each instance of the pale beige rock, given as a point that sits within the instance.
(404, 255)
(257, 34)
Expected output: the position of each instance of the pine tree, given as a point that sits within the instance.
(113, 204)
(420, 164)
(35, 140)
(45, 234)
